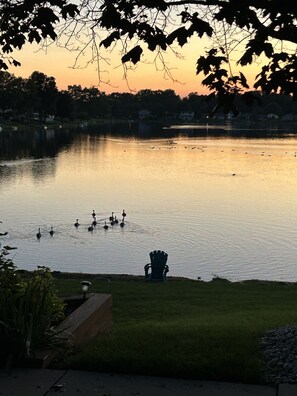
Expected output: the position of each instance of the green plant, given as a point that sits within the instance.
(29, 309)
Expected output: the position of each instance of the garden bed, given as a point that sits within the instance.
(84, 321)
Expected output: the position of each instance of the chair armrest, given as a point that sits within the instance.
(146, 270)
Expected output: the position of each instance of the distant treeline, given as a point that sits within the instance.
(21, 98)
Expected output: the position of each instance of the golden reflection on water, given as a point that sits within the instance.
(235, 175)
(220, 205)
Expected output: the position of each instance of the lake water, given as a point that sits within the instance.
(220, 200)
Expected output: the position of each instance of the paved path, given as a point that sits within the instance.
(38, 382)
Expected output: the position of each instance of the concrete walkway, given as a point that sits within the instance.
(36, 382)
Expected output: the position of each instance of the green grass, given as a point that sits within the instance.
(184, 328)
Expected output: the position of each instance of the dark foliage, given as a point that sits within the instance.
(149, 22)
(20, 98)
(29, 21)
(156, 25)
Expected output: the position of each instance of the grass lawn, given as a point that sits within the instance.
(185, 328)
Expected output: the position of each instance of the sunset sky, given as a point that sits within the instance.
(58, 62)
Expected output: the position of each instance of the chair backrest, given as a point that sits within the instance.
(158, 257)
(158, 262)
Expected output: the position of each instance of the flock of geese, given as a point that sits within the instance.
(112, 221)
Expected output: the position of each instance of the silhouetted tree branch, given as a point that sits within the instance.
(240, 32)
(29, 21)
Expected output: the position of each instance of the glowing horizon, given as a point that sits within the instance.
(58, 63)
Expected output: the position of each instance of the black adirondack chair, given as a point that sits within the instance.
(157, 269)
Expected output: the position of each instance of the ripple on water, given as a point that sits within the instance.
(209, 223)
(214, 246)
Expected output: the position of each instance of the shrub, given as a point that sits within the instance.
(29, 309)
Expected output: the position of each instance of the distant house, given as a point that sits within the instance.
(50, 118)
(272, 116)
(143, 114)
(289, 117)
(35, 116)
(5, 111)
(186, 116)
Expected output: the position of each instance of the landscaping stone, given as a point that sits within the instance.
(280, 354)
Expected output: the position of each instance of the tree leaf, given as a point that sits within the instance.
(108, 41)
(133, 55)
(243, 80)
(181, 35)
(69, 10)
(34, 36)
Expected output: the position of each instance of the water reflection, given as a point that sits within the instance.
(179, 191)
(36, 143)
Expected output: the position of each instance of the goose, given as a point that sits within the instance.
(105, 226)
(94, 213)
(111, 217)
(7, 247)
(122, 223)
(91, 227)
(116, 220)
(94, 222)
(38, 235)
(124, 213)
(52, 231)
(76, 224)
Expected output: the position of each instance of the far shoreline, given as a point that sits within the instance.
(122, 277)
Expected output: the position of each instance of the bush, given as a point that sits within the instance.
(29, 309)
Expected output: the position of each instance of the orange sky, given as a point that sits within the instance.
(58, 62)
